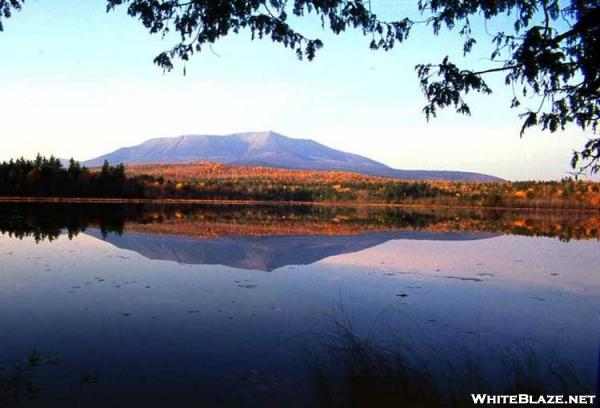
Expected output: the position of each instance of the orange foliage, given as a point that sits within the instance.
(210, 170)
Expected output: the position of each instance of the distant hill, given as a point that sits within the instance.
(267, 149)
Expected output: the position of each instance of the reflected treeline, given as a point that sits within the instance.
(48, 221)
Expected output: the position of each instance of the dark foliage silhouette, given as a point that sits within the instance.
(550, 52)
(47, 177)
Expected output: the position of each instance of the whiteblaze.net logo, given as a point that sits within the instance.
(518, 399)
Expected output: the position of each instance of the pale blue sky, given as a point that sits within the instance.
(76, 81)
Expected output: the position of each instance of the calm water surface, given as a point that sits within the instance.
(199, 307)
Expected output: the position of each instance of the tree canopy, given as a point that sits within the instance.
(549, 53)
(46, 177)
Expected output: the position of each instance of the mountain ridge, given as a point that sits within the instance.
(267, 149)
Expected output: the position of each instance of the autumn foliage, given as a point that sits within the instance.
(204, 181)
(218, 181)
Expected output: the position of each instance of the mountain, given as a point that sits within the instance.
(265, 253)
(267, 149)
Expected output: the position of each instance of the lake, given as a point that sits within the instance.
(122, 305)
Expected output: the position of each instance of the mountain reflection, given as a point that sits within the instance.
(264, 253)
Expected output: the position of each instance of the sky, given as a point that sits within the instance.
(78, 82)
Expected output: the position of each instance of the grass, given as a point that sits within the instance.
(16, 379)
(348, 370)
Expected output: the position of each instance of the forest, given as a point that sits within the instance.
(46, 177)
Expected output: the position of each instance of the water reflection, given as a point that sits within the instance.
(44, 221)
(264, 253)
(417, 301)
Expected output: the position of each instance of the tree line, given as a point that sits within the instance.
(48, 177)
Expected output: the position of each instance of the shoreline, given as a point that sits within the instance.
(188, 201)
